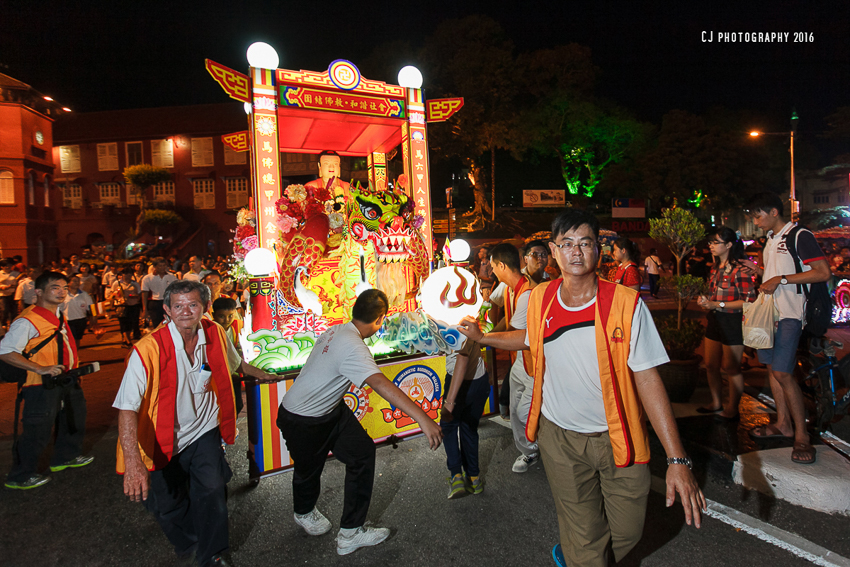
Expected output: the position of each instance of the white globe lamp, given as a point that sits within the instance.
(410, 78)
(260, 262)
(249, 108)
(262, 56)
(459, 250)
(450, 294)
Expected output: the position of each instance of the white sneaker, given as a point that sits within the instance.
(522, 462)
(350, 540)
(314, 523)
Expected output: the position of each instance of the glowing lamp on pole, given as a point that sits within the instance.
(262, 56)
(459, 251)
(409, 77)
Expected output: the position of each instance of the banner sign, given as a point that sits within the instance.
(544, 197)
(628, 208)
(316, 99)
(630, 226)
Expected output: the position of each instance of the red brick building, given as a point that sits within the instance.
(28, 199)
(209, 181)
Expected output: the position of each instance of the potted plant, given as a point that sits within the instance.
(680, 230)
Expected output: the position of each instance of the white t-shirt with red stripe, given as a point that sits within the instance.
(572, 392)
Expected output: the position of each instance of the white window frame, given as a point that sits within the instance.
(232, 157)
(107, 156)
(110, 193)
(69, 158)
(72, 196)
(204, 193)
(237, 192)
(162, 153)
(127, 153)
(164, 192)
(202, 152)
(7, 187)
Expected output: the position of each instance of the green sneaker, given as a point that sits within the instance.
(34, 481)
(76, 462)
(474, 484)
(456, 486)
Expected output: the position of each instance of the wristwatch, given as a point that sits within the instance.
(722, 305)
(680, 461)
(783, 281)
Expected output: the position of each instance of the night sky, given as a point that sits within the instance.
(94, 55)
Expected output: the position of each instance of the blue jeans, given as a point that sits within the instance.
(786, 339)
(462, 450)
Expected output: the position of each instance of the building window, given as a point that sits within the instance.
(31, 189)
(202, 152)
(164, 192)
(7, 188)
(46, 191)
(237, 192)
(162, 152)
(821, 199)
(134, 153)
(69, 159)
(204, 190)
(107, 157)
(842, 197)
(232, 157)
(110, 194)
(72, 196)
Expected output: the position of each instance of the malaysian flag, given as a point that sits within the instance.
(628, 208)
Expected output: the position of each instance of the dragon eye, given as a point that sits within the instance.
(370, 212)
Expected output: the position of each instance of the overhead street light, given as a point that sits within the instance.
(795, 205)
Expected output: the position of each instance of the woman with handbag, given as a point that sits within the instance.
(730, 285)
(653, 270)
(126, 296)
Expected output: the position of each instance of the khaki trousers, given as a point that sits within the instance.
(597, 503)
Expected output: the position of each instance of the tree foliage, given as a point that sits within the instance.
(680, 230)
(145, 175)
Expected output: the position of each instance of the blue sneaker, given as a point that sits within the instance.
(558, 556)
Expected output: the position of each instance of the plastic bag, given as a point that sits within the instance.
(759, 318)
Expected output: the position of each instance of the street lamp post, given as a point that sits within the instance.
(795, 204)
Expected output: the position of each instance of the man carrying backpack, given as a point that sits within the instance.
(792, 257)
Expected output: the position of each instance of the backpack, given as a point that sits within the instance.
(818, 298)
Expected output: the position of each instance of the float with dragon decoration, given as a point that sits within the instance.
(332, 239)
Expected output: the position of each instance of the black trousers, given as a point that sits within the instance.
(78, 328)
(187, 498)
(156, 313)
(309, 439)
(42, 409)
(129, 323)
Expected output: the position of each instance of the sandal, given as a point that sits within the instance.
(769, 431)
(804, 454)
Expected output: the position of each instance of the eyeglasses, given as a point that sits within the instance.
(715, 242)
(538, 255)
(585, 246)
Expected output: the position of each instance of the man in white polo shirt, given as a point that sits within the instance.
(153, 290)
(197, 271)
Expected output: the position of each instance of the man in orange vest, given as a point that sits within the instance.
(588, 413)
(176, 404)
(62, 403)
(504, 259)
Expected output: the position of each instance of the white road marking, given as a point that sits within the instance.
(792, 543)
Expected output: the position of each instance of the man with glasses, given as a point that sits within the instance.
(595, 383)
(536, 256)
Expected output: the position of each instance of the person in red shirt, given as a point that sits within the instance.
(730, 285)
(627, 254)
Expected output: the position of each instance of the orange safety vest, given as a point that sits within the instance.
(158, 410)
(615, 307)
(45, 323)
(523, 285)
